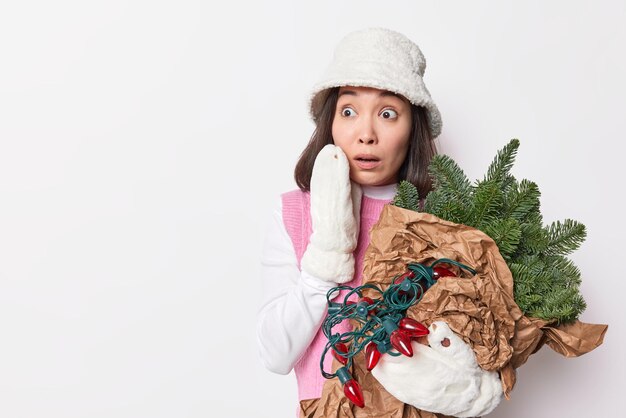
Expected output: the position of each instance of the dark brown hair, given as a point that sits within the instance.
(414, 169)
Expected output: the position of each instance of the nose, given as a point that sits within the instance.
(367, 133)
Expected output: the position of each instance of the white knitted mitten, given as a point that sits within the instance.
(443, 377)
(335, 209)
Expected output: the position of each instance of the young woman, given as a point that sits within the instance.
(375, 126)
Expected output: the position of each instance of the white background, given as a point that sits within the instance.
(143, 145)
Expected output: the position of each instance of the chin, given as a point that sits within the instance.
(365, 181)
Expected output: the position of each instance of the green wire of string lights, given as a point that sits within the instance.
(375, 317)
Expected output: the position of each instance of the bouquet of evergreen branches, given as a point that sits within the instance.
(546, 282)
(524, 294)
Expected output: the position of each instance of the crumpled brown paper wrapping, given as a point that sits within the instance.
(479, 308)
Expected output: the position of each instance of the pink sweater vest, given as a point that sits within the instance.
(297, 219)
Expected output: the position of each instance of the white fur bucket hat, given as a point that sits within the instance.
(382, 59)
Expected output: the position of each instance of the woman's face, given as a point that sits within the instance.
(372, 127)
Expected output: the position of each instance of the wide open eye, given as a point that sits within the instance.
(389, 114)
(347, 112)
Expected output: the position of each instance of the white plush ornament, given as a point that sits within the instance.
(443, 377)
(335, 214)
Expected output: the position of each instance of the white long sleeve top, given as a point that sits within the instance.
(293, 303)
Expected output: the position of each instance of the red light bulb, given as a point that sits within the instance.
(340, 357)
(369, 300)
(399, 338)
(401, 341)
(439, 272)
(413, 328)
(408, 275)
(372, 355)
(351, 388)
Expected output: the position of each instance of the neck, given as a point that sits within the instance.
(380, 192)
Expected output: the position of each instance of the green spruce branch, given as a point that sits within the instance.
(546, 282)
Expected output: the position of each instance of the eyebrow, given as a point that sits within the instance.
(382, 93)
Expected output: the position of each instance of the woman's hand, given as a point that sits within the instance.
(335, 209)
